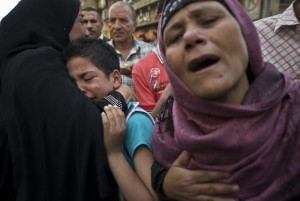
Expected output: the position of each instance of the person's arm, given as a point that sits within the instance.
(143, 159)
(138, 143)
(6, 174)
(119, 97)
(163, 98)
(126, 69)
(130, 184)
(181, 184)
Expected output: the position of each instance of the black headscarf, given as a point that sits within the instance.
(38, 23)
(171, 7)
(50, 132)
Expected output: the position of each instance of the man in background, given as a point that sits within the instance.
(150, 78)
(122, 24)
(280, 39)
(153, 38)
(93, 22)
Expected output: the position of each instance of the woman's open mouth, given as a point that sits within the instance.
(203, 62)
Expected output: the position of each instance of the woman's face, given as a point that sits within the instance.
(206, 49)
(78, 30)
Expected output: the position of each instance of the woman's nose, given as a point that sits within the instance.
(80, 86)
(193, 37)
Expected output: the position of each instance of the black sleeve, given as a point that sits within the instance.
(113, 98)
(6, 178)
(158, 173)
(296, 198)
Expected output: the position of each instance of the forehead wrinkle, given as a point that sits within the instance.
(204, 10)
(121, 8)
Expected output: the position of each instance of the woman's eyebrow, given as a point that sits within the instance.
(176, 25)
(200, 12)
(204, 11)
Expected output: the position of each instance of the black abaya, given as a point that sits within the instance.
(51, 135)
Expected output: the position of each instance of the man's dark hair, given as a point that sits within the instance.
(143, 37)
(100, 53)
(154, 33)
(99, 12)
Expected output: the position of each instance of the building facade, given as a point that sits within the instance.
(146, 11)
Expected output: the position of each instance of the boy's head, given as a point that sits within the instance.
(94, 66)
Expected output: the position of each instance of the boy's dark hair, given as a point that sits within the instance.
(99, 12)
(100, 53)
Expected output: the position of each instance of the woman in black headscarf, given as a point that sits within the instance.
(51, 139)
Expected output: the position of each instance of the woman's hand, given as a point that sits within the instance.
(114, 126)
(182, 184)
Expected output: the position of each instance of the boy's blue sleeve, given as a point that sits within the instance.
(138, 132)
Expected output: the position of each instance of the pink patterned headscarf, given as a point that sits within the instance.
(257, 141)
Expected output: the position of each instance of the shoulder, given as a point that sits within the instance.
(266, 28)
(147, 58)
(110, 42)
(139, 127)
(144, 44)
(144, 47)
(45, 58)
(268, 22)
(145, 63)
(137, 115)
(40, 51)
(140, 116)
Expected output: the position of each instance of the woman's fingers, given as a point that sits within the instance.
(181, 183)
(114, 127)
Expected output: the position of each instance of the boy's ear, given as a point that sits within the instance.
(117, 79)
